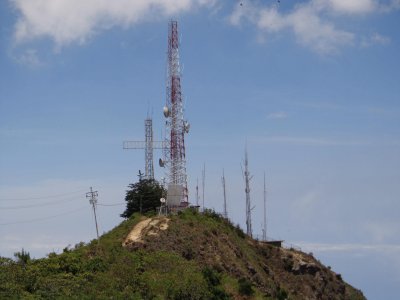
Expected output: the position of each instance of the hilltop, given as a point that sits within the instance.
(184, 256)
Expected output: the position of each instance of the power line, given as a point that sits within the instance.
(43, 219)
(42, 197)
(37, 205)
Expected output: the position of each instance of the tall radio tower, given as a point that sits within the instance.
(176, 125)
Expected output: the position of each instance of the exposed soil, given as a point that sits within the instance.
(146, 227)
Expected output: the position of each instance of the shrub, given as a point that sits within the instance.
(22, 257)
(281, 294)
(239, 231)
(211, 276)
(245, 287)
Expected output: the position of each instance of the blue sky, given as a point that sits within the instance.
(313, 88)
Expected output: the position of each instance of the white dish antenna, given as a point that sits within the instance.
(166, 111)
(162, 200)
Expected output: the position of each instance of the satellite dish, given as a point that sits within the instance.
(162, 200)
(161, 163)
(166, 111)
(186, 126)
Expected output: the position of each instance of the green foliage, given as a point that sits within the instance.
(212, 214)
(22, 257)
(281, 294)
(172, 277)
(245, 287)
(213, 279)
(239, 231)
(211, 276)
(143, 197)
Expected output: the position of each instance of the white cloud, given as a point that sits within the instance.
(314, 23)
(324, 247)
(383, 231)
(319, 35)
(351, 7)
(30, 58)
(304, 21)
(74, 21)
(307, 141)
(375, 39)
(277, 115)
(388, 7)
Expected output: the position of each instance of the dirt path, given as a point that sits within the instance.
(146, 227)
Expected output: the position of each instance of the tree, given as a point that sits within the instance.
(22, 257)
(143, 196)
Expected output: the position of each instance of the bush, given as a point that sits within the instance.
(239, 231)
(245, 287)
(212, 214)
(22, 257)
(211, 276)
(213, 279)
(281, 294)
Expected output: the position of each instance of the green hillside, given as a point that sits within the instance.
(199, 256)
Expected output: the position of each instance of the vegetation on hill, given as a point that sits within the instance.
(199, 256)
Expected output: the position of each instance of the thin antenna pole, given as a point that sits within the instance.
(92, 195)
(265, 212)
(247, 190)
(197, 192)
(204, 181)
(225, 214)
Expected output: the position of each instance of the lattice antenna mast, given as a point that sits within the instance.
(148, 145)
(176, 126)
(148, 150)
(225, 213)
(265, 212)
(247, 179)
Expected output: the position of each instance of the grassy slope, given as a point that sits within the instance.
(198, 257)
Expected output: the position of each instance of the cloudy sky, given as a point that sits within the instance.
(312, 86)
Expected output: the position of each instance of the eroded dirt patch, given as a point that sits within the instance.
(149, 226)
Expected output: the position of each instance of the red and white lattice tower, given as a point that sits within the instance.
(176, 125)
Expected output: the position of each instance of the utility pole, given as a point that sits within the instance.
(247, 179)
(265, 212)
(92, 195)
(225, 213)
